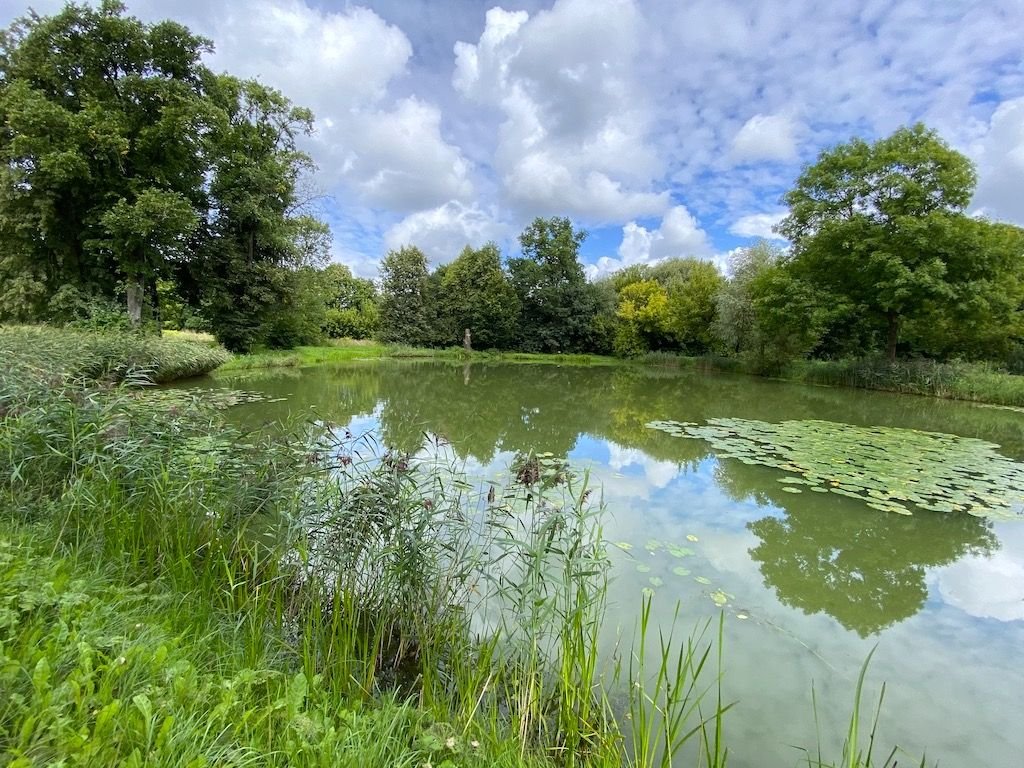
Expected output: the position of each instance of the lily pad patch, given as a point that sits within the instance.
(887, 468)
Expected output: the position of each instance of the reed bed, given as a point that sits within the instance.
(175, 591)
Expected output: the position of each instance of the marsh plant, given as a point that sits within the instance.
(178, 591)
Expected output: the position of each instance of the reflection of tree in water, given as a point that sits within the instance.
(863, 567)
(826, 554)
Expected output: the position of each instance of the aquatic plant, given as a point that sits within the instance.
(889, 469)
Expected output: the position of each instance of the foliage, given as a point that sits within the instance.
(102, 180)
(644, 321)
(880, 225)
(352, 304)
(405, 313)
(477, 295)
(129, 167)
(50, 356)
(557, 303)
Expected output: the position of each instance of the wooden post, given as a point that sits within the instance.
(467, 341)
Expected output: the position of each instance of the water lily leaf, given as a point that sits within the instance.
(680, 571)
(885, 468)
(702, 579)
(691, 537)
(625, 546)
(656, 581)
(643, 568)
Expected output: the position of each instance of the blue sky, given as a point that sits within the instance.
(662, 127)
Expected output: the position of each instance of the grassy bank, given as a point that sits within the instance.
(346, 351)
(975, 382)
(174, 592)
(60, 354)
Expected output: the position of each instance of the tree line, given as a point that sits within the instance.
(140, 188)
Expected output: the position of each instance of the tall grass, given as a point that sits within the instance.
(47, 353)
(978, 382)
(174, 591)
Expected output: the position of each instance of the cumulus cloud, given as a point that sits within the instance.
(678, 235)
(988, 586)
(574, 124)
(765, 137)
(758, 225)
(612, 110)
(1000, 158)
(442, 232)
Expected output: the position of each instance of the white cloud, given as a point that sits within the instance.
(758, 225)
(398, 159)
(442, 232)
(372, 148)
(573, 136)
(766, 137)
(679, 234)
(1000, 158)
(657, 473)
(989, 586)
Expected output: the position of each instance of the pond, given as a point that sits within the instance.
(809, 582)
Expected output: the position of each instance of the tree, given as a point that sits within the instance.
(691, 301)
(875, 224)
(351, 304)
(558, 304)
(735, 321)
(404, 308)
(984, 317)
(644, 319)
(102, 180)
(477, 295)
(256, 239)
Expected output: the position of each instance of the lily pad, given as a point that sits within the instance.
(680, 571)
(656, 581)
(888, 469)
(643, 568)
(702, 579)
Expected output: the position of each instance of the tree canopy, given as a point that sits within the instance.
(879, 225)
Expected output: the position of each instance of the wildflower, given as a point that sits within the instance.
(450, 743)
(474, 744)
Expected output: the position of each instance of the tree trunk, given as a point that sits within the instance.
(135, 292)
(894, 336)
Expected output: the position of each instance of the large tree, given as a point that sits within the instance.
(101, 169)
(876, 225)
(558, 304)
(405, 309)
(256, 238)
(477, 295)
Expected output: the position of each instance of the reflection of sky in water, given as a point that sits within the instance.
(950, 661)
(987, 586)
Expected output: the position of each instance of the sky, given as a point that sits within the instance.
(662, 127)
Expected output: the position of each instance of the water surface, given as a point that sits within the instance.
(809, 583)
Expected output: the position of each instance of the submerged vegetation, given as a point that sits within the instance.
(177, 592)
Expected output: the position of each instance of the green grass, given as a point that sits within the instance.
(974, 382)
(341, 352)
(176, 592)
(42, 352)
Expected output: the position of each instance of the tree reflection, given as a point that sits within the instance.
(824, 554)
(864, 568)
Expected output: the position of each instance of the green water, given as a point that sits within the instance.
(809, 582)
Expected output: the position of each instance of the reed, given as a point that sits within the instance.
(175, 591)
